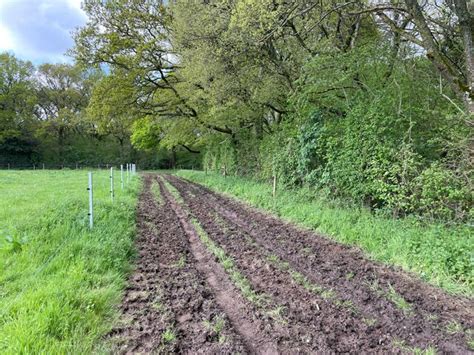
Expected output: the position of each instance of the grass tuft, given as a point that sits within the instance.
(401, 345)
(181, 262)
(454, 327)
(155, 190)
(398, 300)
(216, 326)
(169, 335)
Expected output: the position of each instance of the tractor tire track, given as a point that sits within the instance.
(253, 327)
(167, 303)
(329, 263)
(314, 321)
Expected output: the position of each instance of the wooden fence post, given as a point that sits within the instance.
(274, 185)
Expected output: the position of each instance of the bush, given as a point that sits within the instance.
(441, 194)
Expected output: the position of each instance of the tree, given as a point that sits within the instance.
(17, 101)
(135, 36)
(63, 93)
(440, 30)
(358, 97)
(110, 110)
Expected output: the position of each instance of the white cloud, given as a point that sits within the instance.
(7, 40)
(39, 30)
(76, 4)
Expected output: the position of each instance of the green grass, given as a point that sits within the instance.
(181, 262)
(400, 345)
(470, 339)
(399, 301)
(300, 279)
(239, 280)
(169, 335)
(173, 191)
(216, 326)
(441, 255)
(303, 281)
(454, 327)
(59, 281)
(155, 190)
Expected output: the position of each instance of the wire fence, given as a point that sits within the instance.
(55, 166)
(126, 171)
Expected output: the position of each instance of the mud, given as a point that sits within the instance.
(318, 296)
(168, 305)
(425, 319)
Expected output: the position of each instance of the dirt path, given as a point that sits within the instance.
(168, 306)
(270, 287)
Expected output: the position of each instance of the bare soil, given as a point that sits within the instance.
(314, 295)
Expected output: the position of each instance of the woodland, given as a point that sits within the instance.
(368, 102)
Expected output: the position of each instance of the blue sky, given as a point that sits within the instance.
(39, 30)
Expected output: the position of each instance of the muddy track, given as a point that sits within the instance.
(372, 307)
(168, 306)
(311, 318)
(215, 276)
(248, 321)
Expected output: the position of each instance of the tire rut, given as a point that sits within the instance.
(168, 307)
(331, 267)
(254, 332)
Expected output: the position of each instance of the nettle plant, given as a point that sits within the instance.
(14, 243)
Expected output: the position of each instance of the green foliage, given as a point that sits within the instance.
(386, 148)
(441, 193)
(221, 157)
(319, 95)
(109, 107)
(146, 134)
(17, 103)
(323, 95)
(62, 114)
(280, 156)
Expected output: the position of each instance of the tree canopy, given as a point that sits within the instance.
(370, 101)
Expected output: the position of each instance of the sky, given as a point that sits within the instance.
(39, 30)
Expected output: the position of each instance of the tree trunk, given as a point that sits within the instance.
(121, 141)
(61, 139)
(466, 22)
(173, 159)
(461, 83)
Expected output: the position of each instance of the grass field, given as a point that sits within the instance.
(59, 281)
(442, 255)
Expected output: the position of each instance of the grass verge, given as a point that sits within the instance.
(59, 281)
(441, 255)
